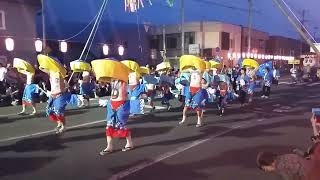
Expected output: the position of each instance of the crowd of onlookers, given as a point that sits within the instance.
(12, 85)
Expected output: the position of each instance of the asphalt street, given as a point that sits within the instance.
(224, 149)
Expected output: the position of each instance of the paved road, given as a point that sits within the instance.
(225, 148)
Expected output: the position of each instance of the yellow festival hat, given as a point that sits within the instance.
(107, 70)
(144, 70)
(80, 66)
(251, 63)
(214, 64)
(51, 64)
(23, 66)
(133, 66)
(208, 64)
(188, 62)
(164, 66)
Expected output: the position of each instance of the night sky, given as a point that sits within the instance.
(65, 17)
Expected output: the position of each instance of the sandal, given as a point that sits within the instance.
(127, 149)
(198, 125)
(105, 152)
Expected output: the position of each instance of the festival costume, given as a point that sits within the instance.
(30, 90)
(118, 108)
(58, 97)
(165, 83)
(195, 95)
(135, 89)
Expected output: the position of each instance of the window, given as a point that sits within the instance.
(171, 42)
(154, 44)
(225, 41)
(2, 20)
(261, 44)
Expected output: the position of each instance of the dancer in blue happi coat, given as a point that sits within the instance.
(135, 89)
(150, 82)
(87, 89)
(195, 95)
(267, 81)
(242, 86)
(29, 93)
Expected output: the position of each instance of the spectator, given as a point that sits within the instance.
(315, 121)
(288, 166)
(3, 72)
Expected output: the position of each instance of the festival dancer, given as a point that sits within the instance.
(165, 83)
(267, 81)
(58, 97)
(195, 96)
(87, 88)
(150, 82)
(135, 89)
(118, 107)
(31, 89)
(222, 92)
(242, 86)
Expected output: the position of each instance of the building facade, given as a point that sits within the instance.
(17, 21)
(286, 46)
(211, 38)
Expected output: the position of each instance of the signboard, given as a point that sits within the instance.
(317, 46)
(294, 61)
(194, 49)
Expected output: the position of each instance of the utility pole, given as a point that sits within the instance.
(182, 27)
(296, 25)
(303, 21)
(43, 27)
(315, 32)
(164, 42)
(249, 25)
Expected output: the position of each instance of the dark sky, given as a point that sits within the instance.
(62, 14)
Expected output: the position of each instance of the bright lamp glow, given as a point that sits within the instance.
(234, 55)
(243, 55)
(251, 55)
(262, 56)
(255, 56)
(105, 49)
(248, 55)
(238, 55)
(38, 45)
(63, 46)
(229, 55)
(121, 50)
(9, 44)
(259, 56)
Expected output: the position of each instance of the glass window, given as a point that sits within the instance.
(2, 20)
(225, 43)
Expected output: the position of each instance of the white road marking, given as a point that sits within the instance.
(50, 131)
(313, 84)
(167, 155)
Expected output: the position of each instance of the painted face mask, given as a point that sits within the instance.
(133, 79)
(119, 90)
(195, 79)
(57, 83)
(29, 78)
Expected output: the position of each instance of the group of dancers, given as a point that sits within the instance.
(197, 84)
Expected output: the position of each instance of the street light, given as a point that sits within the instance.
(243, 55)
(63, 46)
(238, 55)
(229, 55)
(9, 44)
(121, 50)
(105, 49)
(38, 45)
